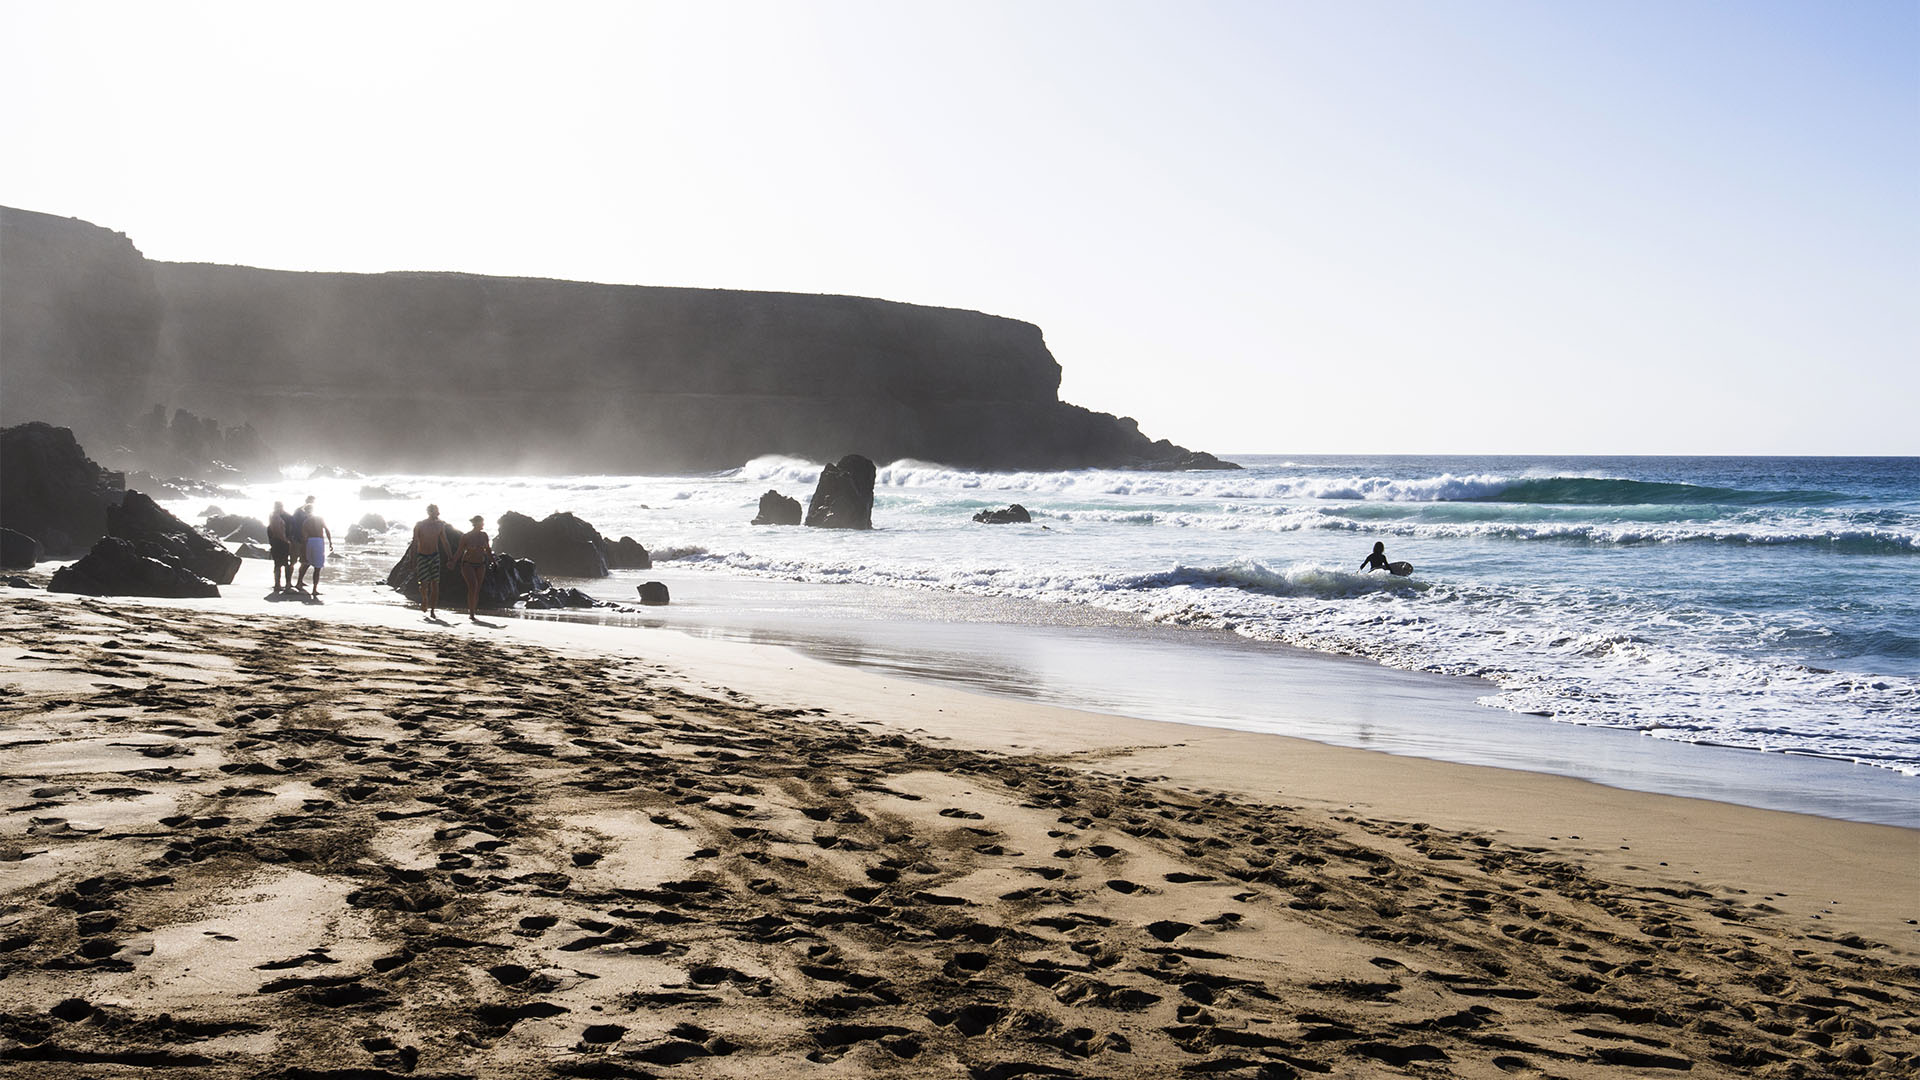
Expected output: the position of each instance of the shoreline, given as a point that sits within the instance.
(958, 641)
(1114, 663)
(537, 847)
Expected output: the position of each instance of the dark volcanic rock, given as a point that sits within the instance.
(49, 488)
(778, 509)
(160, 535)
(250, 551)
(116, 567)
(554, 599)
(625, 554)
(561, 544)
(237, 527)
(1170, 458)
(195, 446)
(18, 551)
(653, 593)
(843, 499)
(18, 582)
(1012, 515)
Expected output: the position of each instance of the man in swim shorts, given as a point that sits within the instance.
(280, 547)
(319, 544)
(430, 552)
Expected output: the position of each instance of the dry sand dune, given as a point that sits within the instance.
(240, 845)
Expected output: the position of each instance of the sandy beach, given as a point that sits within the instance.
(243, 840)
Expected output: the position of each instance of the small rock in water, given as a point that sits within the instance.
(778, 509)
(653, 593)
(1012, 515)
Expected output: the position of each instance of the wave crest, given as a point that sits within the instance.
(1303, 579)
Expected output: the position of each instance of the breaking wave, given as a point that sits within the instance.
(1266, 484)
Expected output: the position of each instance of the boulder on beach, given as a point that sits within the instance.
(653, 593)
(556, 599)
(778, 509)
(357, 535)
(236, 527)
(52, 491)
(1012, 515)
(158, 534)
(843, 499)
(625, 554)
(560, 544)
(118, 567)
(18, 551)
(252, 551)
(373, 523)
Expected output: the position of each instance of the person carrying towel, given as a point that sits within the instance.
(429, 550)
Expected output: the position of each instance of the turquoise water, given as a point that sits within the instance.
(1767, 603)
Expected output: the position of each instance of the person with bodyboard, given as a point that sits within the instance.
(1378, 561)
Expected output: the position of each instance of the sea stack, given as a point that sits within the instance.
(843, 499)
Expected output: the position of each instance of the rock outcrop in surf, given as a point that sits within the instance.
(459, 372)
(843, 499)
(778, 509)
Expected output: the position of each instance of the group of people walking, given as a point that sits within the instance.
(301, 536)
(431, 551)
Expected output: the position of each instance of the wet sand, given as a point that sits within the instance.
(342, 841)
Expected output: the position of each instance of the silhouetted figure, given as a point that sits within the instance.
(429, 549)
(319, 544)
(297, 540)
(280, 547)
(476, 550)
(1378, 561)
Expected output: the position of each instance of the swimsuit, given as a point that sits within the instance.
(316, 552)
(281, 551)
(426, 568)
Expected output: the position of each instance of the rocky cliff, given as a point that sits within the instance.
(432, 371)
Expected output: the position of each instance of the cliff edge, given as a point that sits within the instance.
(461, 372)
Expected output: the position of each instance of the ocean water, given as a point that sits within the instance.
(1763, 603)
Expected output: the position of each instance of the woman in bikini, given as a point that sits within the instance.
(476, 551)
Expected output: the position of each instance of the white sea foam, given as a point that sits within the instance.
(1719, 610)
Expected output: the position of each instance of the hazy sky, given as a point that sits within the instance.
(1595, 226)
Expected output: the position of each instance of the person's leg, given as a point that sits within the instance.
(472, 574)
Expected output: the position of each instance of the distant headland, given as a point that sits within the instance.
(465, 373)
